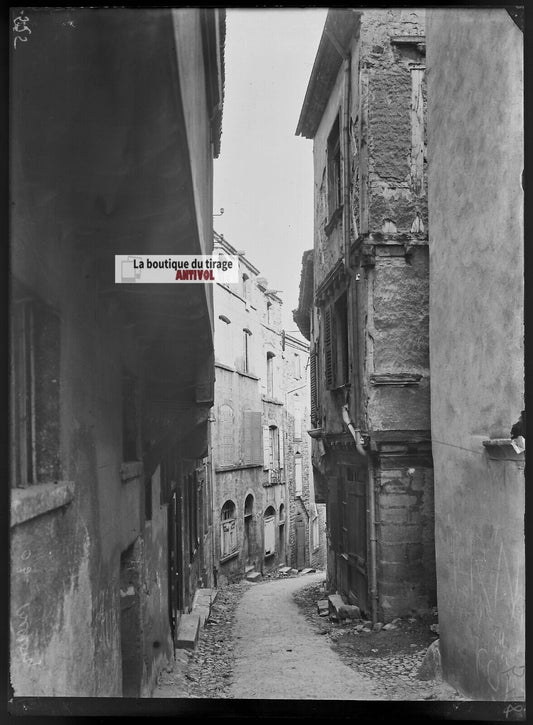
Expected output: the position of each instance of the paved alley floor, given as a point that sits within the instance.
(277, 655)
(266, 641)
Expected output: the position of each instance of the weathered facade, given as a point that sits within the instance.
(364, 308)
(257, 451)
(476, 164)
(115, 119)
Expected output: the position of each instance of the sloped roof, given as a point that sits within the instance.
(340, 28)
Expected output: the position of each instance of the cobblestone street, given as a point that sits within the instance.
(275, 624)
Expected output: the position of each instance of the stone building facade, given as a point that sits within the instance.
(109, 410)
(364, 307)
(476, 243)
(256, 458)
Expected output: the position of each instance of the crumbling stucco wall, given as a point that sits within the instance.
(476, 344)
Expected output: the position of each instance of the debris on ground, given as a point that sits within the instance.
(391, 653)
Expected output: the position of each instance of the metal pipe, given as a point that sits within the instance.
(372, 559)
(355, 432)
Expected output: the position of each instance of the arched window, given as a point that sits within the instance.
(269, 529)
(228, 530)
(298, 475)
(270, 374)
(246, 352)
(281, 513)
(249, 505)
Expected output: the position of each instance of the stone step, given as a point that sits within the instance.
(188, 631)
(203, 601)
(323, 607)
(253, 576)
(248, 568)
(308, 571)
(284, 569)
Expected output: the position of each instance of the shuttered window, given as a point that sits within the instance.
(314, 389)
(335, 335)
(266, 447)
(329, 350)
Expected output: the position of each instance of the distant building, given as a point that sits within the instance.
(115, 119)
(364, 307)
(261, 509)
(476, 204)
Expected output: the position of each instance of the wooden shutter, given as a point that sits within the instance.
(314, 390)
(255, 433)
(266, 448)
(329, 351)
(281, 448)
(252, 437)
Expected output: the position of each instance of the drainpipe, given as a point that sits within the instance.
(372, 559)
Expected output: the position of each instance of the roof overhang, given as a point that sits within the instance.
(339, 30)
(301, 315)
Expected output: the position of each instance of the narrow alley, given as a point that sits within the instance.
(266, 640)
(267, 426)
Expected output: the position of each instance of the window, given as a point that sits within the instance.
(274, 447)
(270, 374)
(270, 533)
(335, 336)
(297, 366)
(314, 388)
(269, 313)
(272, 453)
(249, 505)
(297, 418)
(35, 357)
(246, 351)
(225, 436)
(245, 279)
(334, 170)
(298, 475)
(228, 530)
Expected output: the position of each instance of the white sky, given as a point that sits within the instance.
(264, 175)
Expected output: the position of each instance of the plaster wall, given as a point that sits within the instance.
(476, 343)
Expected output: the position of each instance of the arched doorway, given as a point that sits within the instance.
(249, 537)
(281, 533)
